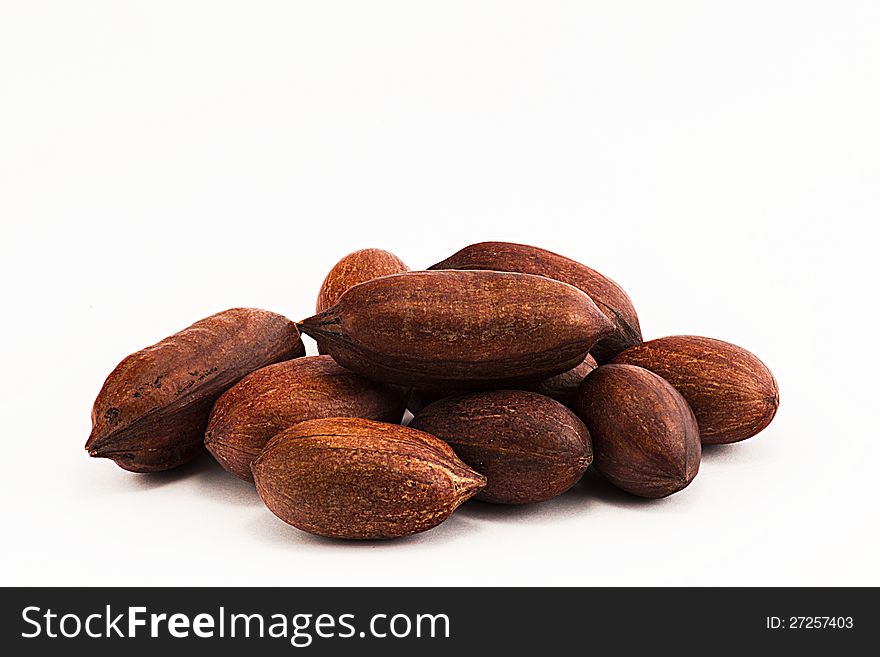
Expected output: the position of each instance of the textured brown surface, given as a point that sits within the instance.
(355, 268)
(608, 295)
(278, 396)
(355, 478)
(732, 393)
(561, 387)
(530, 447)
(645, 437)
(452, 329)
(152, 411)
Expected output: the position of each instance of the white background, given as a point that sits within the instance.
(161, 161)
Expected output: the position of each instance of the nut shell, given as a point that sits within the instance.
(467, 329)
(561, 387)
(732, 393)
(530, 447)
(355, 268)
(278, 396)
(152, 411)
(645, 436)
(360, 479)
(611, 299)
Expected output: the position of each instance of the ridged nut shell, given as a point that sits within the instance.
(355, 268)
(469, 329)
(530, 447)
(152, 411)
(561, 387)
(281, 395)
(360, 479)
(645, 436)
(732, 393)
(611, 299)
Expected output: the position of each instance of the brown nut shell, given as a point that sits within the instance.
(530, 448)
(278, 396)
(611, 299)
(360, 479)
(469, 329)
(561, 387)
(645, 436)
(355, 268)
(732, 393)
(152, 411)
